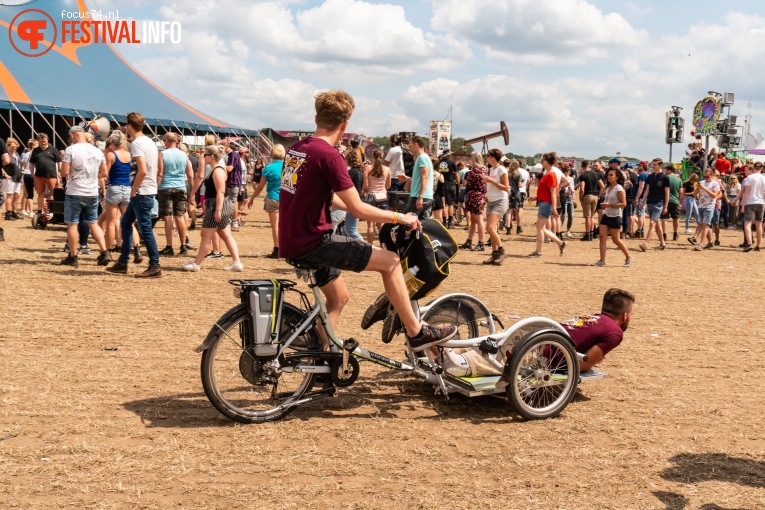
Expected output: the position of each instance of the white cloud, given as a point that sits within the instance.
(338, 36)
(536, 32)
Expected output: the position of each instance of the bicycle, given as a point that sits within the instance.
(263, 358)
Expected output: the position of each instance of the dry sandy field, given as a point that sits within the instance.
(678, 424)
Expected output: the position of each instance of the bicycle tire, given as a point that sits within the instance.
(533, 359)
(231, 403)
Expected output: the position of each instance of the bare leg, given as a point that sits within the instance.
(180, 224)
(168, 230)
(618, 242)
(388, 265)
(98, 235)
(72, 236)
(491, 227)
(477, 219)
(215, 242)
(204, 245)
(230, 242)
(335, 298)
(273, 217)
(602, 238)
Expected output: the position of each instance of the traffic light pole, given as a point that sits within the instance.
(670, 153)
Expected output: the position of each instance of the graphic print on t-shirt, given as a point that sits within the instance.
(292, 164)
(580, 321)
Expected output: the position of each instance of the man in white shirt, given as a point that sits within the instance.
(395, 161)
(142, 195)
(753, 204)
(82, 166)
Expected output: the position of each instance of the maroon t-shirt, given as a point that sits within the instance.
(313, 170)
(589, 330)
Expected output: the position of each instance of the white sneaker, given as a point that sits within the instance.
(688, 231)
(191, 266)
(235, 266)
(599, 263)
(568, 234)
(628, 262)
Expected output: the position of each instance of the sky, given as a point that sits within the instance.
(581, 77)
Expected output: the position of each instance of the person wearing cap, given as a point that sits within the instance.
(753, 204)
(657, 202)
(639, 200)
(82, 166)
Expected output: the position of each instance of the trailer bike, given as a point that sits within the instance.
(264, 357)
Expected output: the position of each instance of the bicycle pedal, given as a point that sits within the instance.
(350, 344)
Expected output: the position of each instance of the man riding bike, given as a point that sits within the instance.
(315, 177)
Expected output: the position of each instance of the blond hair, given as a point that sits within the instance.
(277, 151)
(12, 141)
(211, 140)
(333, 108)
(116, 139)
(353, 158)
(213, 150)
(476, 159)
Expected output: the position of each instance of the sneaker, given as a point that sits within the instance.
(15, 215)
(743, 245)
(104, 258)
(697, 248)
(675, 236)
(534, 254)
(709, 246)
(599, 263)
(562, 248)
(70, 261)
(432, 335)
(519, 230)
(688, 231)
(213, 255)
(117, 268)
(184, 250)
(151, 272)
(116, 249)
(692, 240)
(568, 235)
(628, 262)
(167, 251)
(84, 250)
(587, 236)
(376, 311)
(234, 228)
(748, 248)
(643, 247)
(717, 243)
(237, 267)
(191, 266)
(66, 247)
(479, 247)
(467, 245)
(662, 247)
(137, 257)
(274, 254)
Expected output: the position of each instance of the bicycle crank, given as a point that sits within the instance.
(344, 377)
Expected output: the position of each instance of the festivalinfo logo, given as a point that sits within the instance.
(34, 32)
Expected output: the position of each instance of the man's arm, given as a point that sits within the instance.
(160, 168)
(140, 163)
(230, 159)
(666, 199)
(189, 171)
(103, 170)
(64, 171)
(594, 356)
(423, 185)
(580, 188)
(639, 194)
(349, 200)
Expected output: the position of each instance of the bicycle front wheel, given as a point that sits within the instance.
(544, 373)
(234, 379)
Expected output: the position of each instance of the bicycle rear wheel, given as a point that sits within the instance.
(234, 379)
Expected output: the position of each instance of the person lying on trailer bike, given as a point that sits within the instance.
(595, 335)
(315, 178)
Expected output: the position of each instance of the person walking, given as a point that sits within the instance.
(565, 203)
(421, 193)
(688, 195)
(590, 188)
(219, 211)
(377, 182)
(673, 207)
(733, 194)
(13, 173)
(497, 186)
(271, 178)
(753, 205)
(614, 202)
(142, 193)
(547, 201)
(657, 202)
(708, 192)
(475, 194)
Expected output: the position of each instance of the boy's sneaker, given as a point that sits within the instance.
(70, 261)
(167, 251)
(376, 311)
(432, 335)
(213, 255)
(235, 266)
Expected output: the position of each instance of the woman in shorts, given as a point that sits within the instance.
(118, 193)
(614, 202)
(219, 210)
(475, 195)
(377, 181)
(497, 186)
(12, 183)
(546, 190)
(271, 178)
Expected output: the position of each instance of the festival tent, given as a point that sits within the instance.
(75, 82)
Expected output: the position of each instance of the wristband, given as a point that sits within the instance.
(396, 217)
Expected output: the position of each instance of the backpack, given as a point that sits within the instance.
(430, 250)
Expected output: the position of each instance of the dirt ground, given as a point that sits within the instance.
(672, 427)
